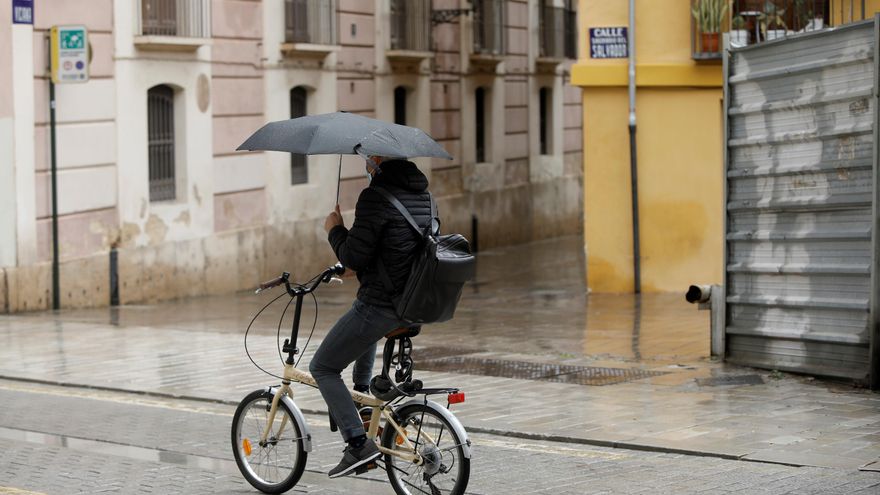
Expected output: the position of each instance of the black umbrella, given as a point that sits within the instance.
(344, 133)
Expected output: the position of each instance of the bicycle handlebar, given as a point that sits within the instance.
(325, 276)
(275, 282)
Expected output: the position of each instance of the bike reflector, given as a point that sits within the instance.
(246, 446)
(455, 398)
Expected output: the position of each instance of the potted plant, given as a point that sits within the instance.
(772, 22)
(709, 16)
(808, 17)
(739, 35)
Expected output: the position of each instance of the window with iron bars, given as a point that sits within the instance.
(411, 25)
(489, 16)
(558, 29)
(183, 18)
(310, 21)
(160, 143)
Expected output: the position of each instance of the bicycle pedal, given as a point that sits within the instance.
(366, 467)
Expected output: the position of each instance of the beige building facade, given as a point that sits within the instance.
(146, 154)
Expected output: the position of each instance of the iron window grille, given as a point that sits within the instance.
(299, 165)
(310, 21)
(411, 25)
(558, 30)
(183, 18)
(489, 16)
(160, 143)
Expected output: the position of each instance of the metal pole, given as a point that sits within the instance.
(633, 162)
(56, 282)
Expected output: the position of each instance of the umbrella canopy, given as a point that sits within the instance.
(344, 134)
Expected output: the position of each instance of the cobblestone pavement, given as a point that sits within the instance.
(527, 334)
(59, 440)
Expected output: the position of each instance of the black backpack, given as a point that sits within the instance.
(443, 264)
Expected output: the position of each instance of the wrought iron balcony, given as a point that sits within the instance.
(178, 18)
(411, 25)
(310, 21)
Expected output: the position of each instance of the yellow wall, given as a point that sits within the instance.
(679, 143)
(840, 10)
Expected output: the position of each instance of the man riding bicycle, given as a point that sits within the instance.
(379, 234)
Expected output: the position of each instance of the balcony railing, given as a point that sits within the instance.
(757, 21)
(489, 18)
(558, 30)
(411, 25)
(180, 18)
(310, 21)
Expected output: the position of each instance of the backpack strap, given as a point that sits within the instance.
(435, 219)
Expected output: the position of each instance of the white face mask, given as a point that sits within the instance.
(367, 171)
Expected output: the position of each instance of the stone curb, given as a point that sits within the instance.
(470, 429)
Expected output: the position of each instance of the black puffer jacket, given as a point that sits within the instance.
(379, 230)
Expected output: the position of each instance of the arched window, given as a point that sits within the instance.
(160, 142)
(299, 165)
(400, 105)
(480, 118)
(544, 101)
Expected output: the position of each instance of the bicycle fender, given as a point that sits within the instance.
(448, 416)
(297, 416)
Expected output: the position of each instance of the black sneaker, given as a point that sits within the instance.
(354, 458)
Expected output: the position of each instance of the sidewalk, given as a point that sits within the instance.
(536, 357)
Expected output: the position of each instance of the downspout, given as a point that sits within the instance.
(633, 163)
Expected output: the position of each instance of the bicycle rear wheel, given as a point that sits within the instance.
(276, 466)
(445, 470)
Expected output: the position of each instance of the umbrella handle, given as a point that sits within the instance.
(339, 180)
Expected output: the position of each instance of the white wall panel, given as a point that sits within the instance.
(78, 190)
(239, 172)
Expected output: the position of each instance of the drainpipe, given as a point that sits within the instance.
(633, 163)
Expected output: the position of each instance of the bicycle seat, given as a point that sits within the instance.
(404, 332)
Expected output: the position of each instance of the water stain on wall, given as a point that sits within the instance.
(183, 218)
(603, 276)
(128, 233)
(673, 230)
(156, 230)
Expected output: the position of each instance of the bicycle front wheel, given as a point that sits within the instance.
(445, 468)
(273, 466)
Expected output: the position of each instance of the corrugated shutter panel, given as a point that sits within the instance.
(799, 202)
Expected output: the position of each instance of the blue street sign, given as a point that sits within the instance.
(608, 42)
(22, 11)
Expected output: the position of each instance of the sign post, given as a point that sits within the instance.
(68, 63)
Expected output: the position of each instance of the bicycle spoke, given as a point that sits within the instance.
(442, 469)
(273, 462)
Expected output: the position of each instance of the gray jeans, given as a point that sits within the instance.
(352, 338)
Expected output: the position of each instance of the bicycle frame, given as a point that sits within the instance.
(292, 374)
